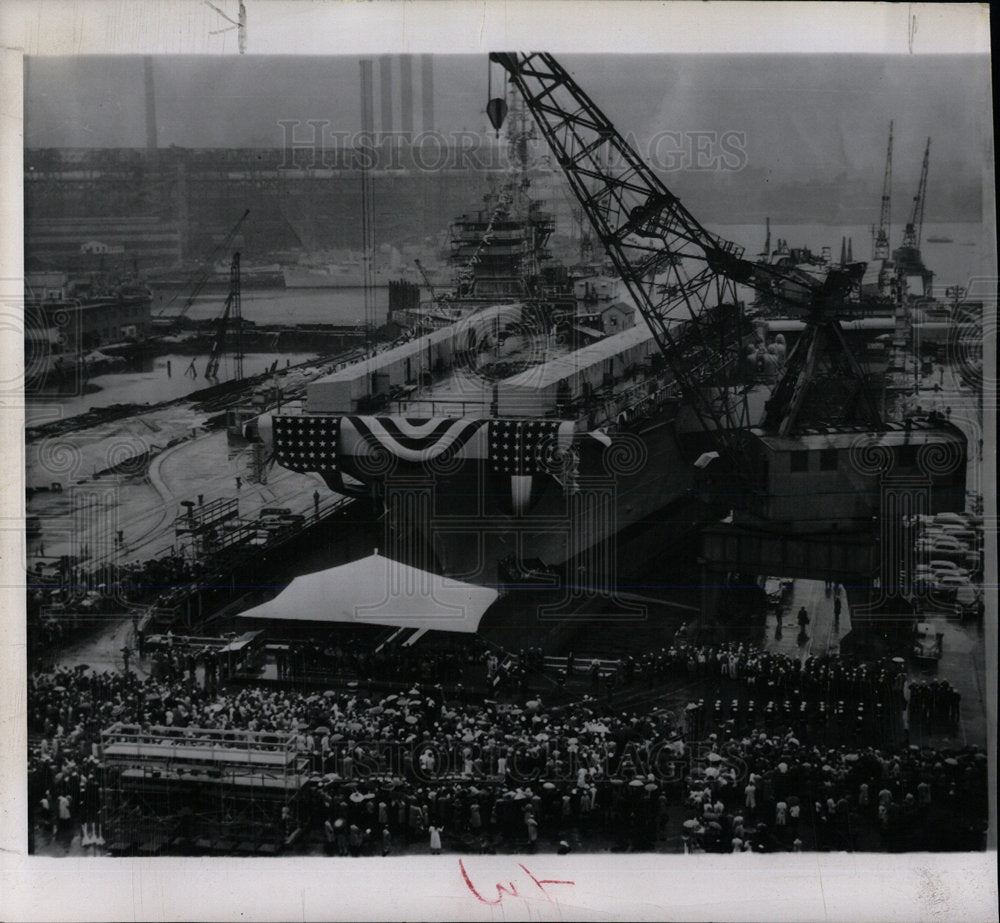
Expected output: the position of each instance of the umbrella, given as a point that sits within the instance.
(711, 772)
(690, 824)
(851, 757)
(636, 783)
(549, 786)
(329, 694)
(411, 719)
(951, 761)
(542, 736)
(357, 797)
(322, 730)
(391, 698)
(337, 736)
(651, 786)
(714, 758)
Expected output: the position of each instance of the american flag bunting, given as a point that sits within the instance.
(307, 443)
(523, 447)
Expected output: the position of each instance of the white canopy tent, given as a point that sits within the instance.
(379, 591)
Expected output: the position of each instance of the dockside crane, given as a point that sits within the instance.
(880, 239)
(683, 277)
(204, 272)
(231, 319)
(914, 227)
(426, 278)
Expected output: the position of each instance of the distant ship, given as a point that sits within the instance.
(939, 240)
(351, 274)
(252, 275)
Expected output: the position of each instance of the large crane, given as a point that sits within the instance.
(681, 276)
(912, 231)
(880, 241)
(232, 317)
(204, 272)
(425, 277)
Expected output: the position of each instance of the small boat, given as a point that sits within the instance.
(939, 240)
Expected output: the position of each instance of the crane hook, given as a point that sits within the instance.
(496, 108)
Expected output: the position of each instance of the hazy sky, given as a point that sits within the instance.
(805, 117)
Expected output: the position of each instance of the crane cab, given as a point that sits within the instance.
(836, 479)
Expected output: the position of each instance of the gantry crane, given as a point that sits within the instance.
(880, 241)
(232, 317)
(911, 233)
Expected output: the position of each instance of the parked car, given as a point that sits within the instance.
(927, 644)
(967, 537)
(957, 518)
(939, 566)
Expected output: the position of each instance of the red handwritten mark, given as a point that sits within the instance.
(511, 888)
(546, 881)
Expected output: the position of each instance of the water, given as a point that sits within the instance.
(340, 306)
(961, 262)
(150, 384)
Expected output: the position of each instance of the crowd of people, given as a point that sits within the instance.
(314, 658)
(389, 773)
(59, 605)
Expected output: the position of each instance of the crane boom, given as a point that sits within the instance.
(425, 277)
(205, 272)
(912, 231)
(680, 275)
(683, 278)
(880, 247)
(231, 311)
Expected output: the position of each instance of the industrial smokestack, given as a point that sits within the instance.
(427, 90)
(152, 148)
(406, 95)
(385, 91)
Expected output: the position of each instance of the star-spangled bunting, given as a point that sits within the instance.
(307, 443)
(522, 446)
